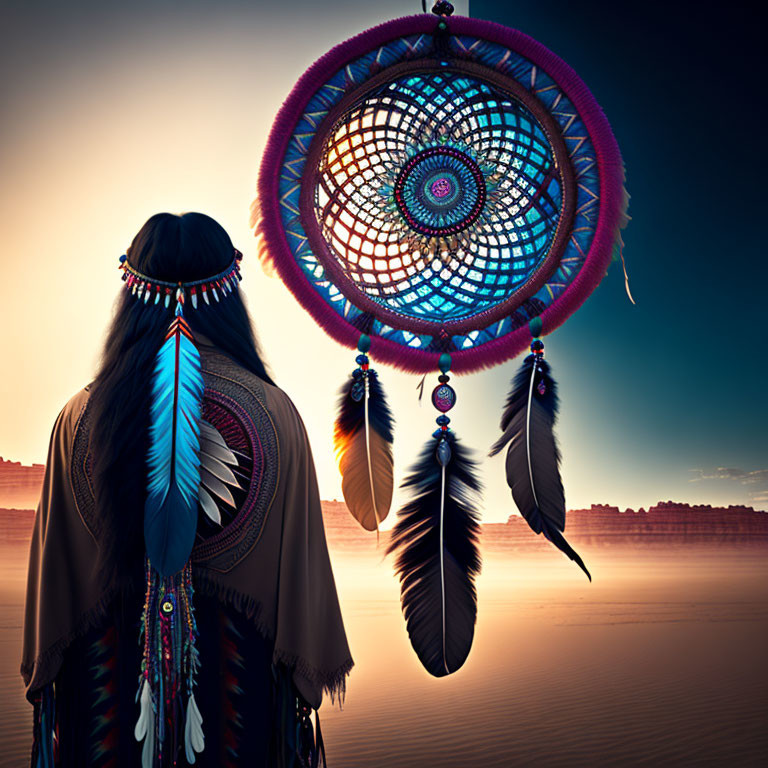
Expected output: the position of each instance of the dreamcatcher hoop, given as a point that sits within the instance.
(354, 62)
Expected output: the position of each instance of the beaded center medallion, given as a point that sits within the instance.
(440, 191)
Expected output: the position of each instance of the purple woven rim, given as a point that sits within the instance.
(609, 165)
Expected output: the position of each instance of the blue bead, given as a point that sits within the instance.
(361, 359)
(123, 258)
(443, 420)
(357, 391)
(364, 343)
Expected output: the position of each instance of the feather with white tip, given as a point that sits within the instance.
(533, 458)
(145, 725)
(209, 506)
(363, 442)
(215, 474)
(194, 739)
(170, 511)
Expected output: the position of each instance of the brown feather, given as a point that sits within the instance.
(356, 480)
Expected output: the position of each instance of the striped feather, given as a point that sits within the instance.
(209, 506)
(216, 451)
(218, 469)
(170, 512)
(216, 487)
(210, 433)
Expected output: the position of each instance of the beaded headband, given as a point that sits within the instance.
(142, 286)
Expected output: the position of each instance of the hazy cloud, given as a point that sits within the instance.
(757, 480)
(731, 473)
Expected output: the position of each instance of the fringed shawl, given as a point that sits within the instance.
(270, 563)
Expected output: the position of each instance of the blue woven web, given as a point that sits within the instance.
(463, 126)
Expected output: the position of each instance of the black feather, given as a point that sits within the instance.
(517, 399)
(533, 460)
(416, 540)
(351, 412)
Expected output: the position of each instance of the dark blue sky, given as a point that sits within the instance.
(682, 373)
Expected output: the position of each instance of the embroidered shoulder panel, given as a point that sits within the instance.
(233, 402)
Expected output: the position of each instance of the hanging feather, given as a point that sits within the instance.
(533, 458)
(175, 477)
(145, 725)
(170, 512)
(363, 442)
(194, 740)
(435, 539)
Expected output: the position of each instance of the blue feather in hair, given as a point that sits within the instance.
(170, 512)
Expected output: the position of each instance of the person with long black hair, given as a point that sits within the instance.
(181, 607)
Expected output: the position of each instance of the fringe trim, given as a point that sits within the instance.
(46, 665)
(331, 681)
(44, 668)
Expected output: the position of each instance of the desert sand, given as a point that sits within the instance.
(659, 661)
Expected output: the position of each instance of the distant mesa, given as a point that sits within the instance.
(344, 533)
(20, 484)
(666, 523)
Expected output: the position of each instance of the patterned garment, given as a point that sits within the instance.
(263, 573)
(238, 690)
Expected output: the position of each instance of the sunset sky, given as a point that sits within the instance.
(116, 111)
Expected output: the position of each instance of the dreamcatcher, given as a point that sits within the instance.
(440, 192)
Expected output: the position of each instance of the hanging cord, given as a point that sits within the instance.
(420, 387)
(320, 758)
(626, 277)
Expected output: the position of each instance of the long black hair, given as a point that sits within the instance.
(170, 248)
